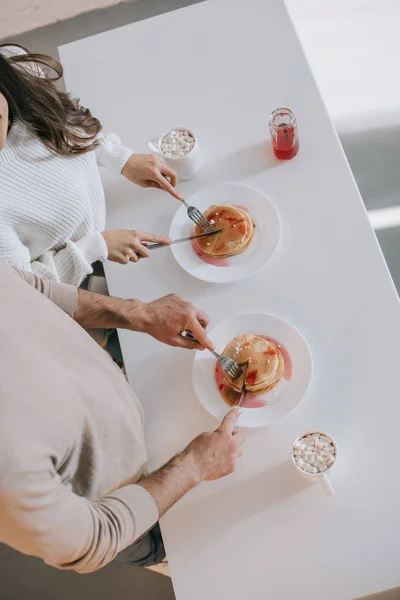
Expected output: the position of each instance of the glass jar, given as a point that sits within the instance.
(283, 129)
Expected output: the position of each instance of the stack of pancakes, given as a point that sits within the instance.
(237, 231)
(263, 363)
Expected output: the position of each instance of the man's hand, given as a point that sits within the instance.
(126, 245)
(165, 319)
(147, 170)
(215, 454)
(210, 456)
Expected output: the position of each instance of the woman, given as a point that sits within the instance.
(52, 206)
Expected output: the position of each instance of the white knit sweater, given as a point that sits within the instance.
(52, 208)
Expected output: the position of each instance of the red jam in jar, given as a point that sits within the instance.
(283, 129)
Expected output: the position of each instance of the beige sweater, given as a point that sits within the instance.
(71, 434)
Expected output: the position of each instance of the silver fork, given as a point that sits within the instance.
(228, 365)
(198, 218)
(195, 214)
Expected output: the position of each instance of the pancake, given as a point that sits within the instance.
(264, 363)
(237, 231)
(250, 225)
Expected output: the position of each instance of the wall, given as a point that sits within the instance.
(19, 16)
(46, 39)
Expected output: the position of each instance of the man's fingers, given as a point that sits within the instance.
(167, 187)
(229, 421)
(240, 437)
(200, 334)
(203, 319)
(166, 170)
(184, 342)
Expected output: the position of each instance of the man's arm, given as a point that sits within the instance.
(208, 457)
(164, 319)
(63, 295)
(41, 516)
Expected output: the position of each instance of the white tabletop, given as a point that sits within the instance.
(220, 68)
(353, 48)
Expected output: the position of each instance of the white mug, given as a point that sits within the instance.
(186, 166)
(321, 478)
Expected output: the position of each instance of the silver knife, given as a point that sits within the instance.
(240, 402)
(186, 239)
(242, 397)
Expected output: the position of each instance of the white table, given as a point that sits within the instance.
(353, 48)
(221, 67)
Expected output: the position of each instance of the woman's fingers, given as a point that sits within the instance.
(151, 237)
(133, 256)
(168, 172)
(142, 251)
(167, 187)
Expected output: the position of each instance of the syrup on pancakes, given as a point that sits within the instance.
(252, 400)
(237, 233)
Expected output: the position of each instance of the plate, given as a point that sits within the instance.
(287, 394)
(259, 252)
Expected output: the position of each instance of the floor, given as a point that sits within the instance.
(373, 158)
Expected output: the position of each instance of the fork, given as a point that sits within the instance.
(229, 366)
(198, 218)
(194, 214)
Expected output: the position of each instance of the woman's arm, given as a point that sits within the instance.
(111, 153)
(145, 170)
(74, 262)
(70, 265)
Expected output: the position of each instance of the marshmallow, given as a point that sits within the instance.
(314, 453)
(176, 144)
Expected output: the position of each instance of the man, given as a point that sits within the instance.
(73, 488)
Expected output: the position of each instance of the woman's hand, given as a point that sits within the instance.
(147, 170)
(126, 245)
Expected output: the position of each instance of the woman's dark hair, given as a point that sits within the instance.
(54, 116)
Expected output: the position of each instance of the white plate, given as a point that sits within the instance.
(262, 247)
(287, 394)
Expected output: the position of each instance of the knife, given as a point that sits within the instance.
(186, 239)
(242, 397)
(240, 403)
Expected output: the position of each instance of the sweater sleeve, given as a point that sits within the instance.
(11, 50)
(110, 153)
(42, 517)
(62, 295)
(74, 262)
(70, 265)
